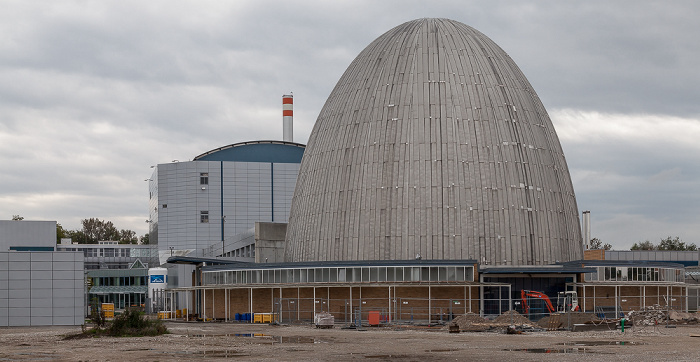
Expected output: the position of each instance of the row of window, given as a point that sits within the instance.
(106, 252)
(118, 281)
(629, 274)
(247, 251)
(342, 275)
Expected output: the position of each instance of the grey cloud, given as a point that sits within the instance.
(172, 80)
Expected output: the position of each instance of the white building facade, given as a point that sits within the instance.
(199, 207)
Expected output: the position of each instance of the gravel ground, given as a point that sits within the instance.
(218, 341)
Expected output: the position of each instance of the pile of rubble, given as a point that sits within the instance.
(465, 321)
(657, 314)
(473, 322)
(566, 320)
(512, 317)
(648, 316)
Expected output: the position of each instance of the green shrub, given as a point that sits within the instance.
(133, 323)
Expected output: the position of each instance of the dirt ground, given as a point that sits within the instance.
(219, 341)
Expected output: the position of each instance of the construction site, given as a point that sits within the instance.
(478, 339)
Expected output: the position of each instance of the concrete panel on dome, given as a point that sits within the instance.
(433, 144)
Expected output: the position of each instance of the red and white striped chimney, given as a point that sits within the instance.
(287, 118)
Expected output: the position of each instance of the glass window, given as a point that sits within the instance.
(442, 274)
(297, 276)
(391, 274)
(204, 216)
(373, 274)
(399, 274)
(451, 274)
(382, 274)
(284, 276)
(341, 274)
(334, 275)
(415, 274)
(318, 275)
(365, 274)
(204, 178)
(349, 274)
(425, 274)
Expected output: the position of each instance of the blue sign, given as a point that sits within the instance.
(157, 279)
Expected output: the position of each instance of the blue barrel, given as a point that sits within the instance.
(238, 317)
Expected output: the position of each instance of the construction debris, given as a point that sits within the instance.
(648, 316)
(512, 317)
(324, 320)
(472, 322)
(658, 314)
(566, 320)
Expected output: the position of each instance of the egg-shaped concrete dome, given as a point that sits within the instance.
(433, 144)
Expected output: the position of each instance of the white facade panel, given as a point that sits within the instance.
(252, 191)
(33, 287)
(24, 233)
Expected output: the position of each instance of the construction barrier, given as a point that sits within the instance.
(108, 310)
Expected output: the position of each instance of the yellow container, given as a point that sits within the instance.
(184, 312)
(108, 310)
(178, 313)
(263, 318)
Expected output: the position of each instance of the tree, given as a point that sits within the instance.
(17, 218)
(95, 230)
(597, 244)
(643, 245)
(78, 236)
(60, 233)
(670, 243)
(675, 244)
(145, 239)
(127, 237)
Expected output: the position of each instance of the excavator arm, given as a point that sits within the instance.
(524, 294)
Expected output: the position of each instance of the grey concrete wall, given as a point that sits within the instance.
(269, 242)
(41, 288)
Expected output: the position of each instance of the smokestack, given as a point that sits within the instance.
(586, 225)
(287, 118)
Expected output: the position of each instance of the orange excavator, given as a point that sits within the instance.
(566, 301)
(524, 294)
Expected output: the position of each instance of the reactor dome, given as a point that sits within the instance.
(433, 145)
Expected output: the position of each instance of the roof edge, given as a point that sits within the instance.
(233, 145)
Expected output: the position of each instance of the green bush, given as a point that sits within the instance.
(133, 323)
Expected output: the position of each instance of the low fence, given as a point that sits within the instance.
(358, 311)
(607, 307)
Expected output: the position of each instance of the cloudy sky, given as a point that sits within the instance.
(92, 93)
